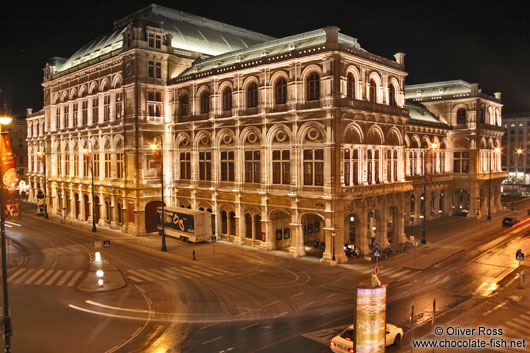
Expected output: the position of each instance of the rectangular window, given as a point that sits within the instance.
(281, 167)
(227, 166)
(95, 111)
(151, 69)
(85, 165)
(21, 159)
(346, 166)
(314, 167)
(465, 162)
(252, 167)
(154, 40)
(185, 165)
(74, 113)
(66, 116)
(205, 165)
(84, 112)
(158, 70)
(119, 165)
(158, 41)
(95, 165)
(20, 143)
(456, 162)
(151, 40)
(57, 118)
(59, 165)
(118, 105)
(76, 163)
(355, 167)
(106, 107)
(107, 165)
(21, 171)
(154, 103)
(67, 164)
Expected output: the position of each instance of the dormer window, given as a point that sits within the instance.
(154, 40)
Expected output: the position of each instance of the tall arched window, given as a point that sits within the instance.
(373, 92)
(184, 105)
(252, 95)
(281, 91)
(313, 87)
(205, 102)
(227, 99)
(391, 95)
(350, 86)
(461, 116)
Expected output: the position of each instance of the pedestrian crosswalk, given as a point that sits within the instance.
(174, 272)
(515, 330)
(40, 276)
(394, 273)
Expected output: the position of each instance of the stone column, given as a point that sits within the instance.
(361, 240)
(381, 231)
(297, 240)
(399, 223)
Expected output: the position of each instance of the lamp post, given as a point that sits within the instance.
(154, 147)
(497, 149)
(518, 151)
(42, 157)
(424, 210)
(4, 120)
(88, 155)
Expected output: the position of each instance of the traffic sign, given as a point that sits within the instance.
(376, 270)
(377, 252)
(519, 255)
(376, 247)
(106, 243)
(214, 238)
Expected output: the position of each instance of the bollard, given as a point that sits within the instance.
(193, 254)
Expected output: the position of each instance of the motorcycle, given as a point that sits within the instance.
(319, 244)
(350, 250)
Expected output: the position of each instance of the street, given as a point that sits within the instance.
(231, 298)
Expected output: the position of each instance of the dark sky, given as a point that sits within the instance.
(477, 41)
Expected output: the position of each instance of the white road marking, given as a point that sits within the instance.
(521, 322)
(199, 272)
(332, 295)
(164, 274)
(10, 278)
(303, 306)
(137, 274)
(23, 277)
(51, 280)
(74, 279)
(43, 278)
(495, 308)
(65, 277)
(182, 273)
(35, 275)
(215, 339)
(135, 279)
(8, 226)
(91, 302)
(292, 296)
(275, 316)
(249, 326)
(202, 328)
(13, 223)
(272, 303)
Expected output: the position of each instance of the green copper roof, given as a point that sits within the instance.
(437, 89)
(189, 32)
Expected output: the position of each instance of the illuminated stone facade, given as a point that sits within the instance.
(285, 141)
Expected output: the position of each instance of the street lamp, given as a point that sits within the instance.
(497, 150)
(518, 151)
(42, 158)
(87, 153)
(424, 210)
(160, 154)
(4, 120)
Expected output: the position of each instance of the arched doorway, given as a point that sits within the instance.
(432, 203)
(281, 230)
(257, 224)
(77, 205)
(391, 224)
(248, 225)
(97, 209)
(461, 202)
(151, 216)
(87, 207)
(313, 229)
(351, 223)
(232, 221)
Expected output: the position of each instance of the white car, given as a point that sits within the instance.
(344, 341)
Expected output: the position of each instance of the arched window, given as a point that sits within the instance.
(252, 95)
(373, 92)
(350, 86)
(184, 105)
(281, 91)
(227, 99)
(313, 87)
(205, 102)
(461, 116)
(391, 95)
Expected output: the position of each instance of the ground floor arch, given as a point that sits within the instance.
(151, 216)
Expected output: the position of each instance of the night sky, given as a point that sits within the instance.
(478, 41)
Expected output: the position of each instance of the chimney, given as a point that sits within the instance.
(497, 95)
(29, 111)
(474, 89)
(400, 58)
(332, 37)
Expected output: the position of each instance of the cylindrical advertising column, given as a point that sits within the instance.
(370, 319)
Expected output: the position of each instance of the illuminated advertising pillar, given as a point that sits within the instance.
(370, 320)
(8, 171)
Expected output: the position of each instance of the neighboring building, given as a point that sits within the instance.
(516, 138)
(285, 140)
(35, 143)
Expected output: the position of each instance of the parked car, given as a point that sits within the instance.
(509, 221)
(344, 342)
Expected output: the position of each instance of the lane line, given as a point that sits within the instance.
(275, 316)
(65, 277)
(249, 326)
(272, 303)
(74, 279)
(23, 277)
(43, 278)
(292, 296)
(303, 306)
(35, 275)
(54, 277)
(202, 328)
(215, 339)
(10, 278)
(495, 308)
(13, 223)
(332, 295)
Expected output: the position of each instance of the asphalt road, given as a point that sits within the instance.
(231, 299)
